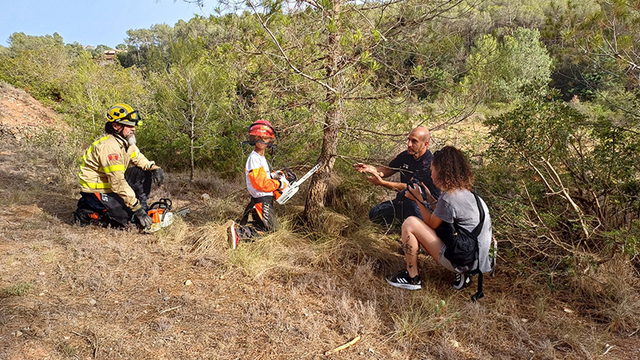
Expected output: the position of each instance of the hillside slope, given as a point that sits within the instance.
(68, 292)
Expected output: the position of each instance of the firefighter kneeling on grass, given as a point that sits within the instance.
(115, 176)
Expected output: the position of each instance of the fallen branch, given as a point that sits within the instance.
(170, 309)
(342, 347)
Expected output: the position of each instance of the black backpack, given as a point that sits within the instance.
(462, 249)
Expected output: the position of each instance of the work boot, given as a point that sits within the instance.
(80, 218)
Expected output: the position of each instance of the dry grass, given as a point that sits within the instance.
(181, 294)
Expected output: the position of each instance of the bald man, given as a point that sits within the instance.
(415, 162)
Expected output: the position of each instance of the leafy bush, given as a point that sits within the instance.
(578, 169)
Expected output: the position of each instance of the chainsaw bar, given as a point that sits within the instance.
(292, 189)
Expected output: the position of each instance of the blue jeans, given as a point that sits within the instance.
(391, 211)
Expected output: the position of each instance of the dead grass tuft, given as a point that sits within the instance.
(208, 239)
(419, 319)
(334, 224)
(609, 293)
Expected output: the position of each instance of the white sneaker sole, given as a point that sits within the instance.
(467, 282)
(405, 286)
(232, 236)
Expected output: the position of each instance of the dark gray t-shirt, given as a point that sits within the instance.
(461, 206)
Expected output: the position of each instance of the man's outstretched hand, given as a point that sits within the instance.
(364, 168)
(375, 179)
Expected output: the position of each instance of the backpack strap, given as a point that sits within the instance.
(476, 231)
(479, 294)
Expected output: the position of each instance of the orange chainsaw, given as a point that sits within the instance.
(160, 213)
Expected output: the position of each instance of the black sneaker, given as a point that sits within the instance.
(404, 281)
(461, 281)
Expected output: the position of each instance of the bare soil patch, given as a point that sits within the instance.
(22, 116)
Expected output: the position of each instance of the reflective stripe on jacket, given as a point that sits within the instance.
(104, 164)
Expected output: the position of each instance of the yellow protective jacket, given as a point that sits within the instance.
(104, 164)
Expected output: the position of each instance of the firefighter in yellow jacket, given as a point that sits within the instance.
(115, 177)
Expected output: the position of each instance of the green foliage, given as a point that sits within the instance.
(20, 42)
(579, 162)
(95, 88)
(503, 70)
(38, 63)
(194, 100)
(18, 289)
(625, 240)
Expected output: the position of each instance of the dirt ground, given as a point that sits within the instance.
(68, 292)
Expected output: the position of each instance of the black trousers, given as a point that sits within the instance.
(109, 208)
(262, 213)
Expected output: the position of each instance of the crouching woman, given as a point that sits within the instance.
(457, 205)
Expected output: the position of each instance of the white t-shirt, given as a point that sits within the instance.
(256, 161)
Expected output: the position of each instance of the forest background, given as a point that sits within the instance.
(543, 96)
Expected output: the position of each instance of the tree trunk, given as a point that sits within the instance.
(192, 137)
(320, 180)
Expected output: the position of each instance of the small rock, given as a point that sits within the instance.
(568, 311)
(371, 351)
(206, 197)
(41, 294)
(41, 273)
(188, 283)
(18, 333)
(221, 277)
(166, 298)
(524, 320)
(92, 302)
(159, 290)
(38, 332)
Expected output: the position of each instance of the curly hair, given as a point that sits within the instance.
(453, 169)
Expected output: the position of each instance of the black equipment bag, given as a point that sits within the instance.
(463, 250)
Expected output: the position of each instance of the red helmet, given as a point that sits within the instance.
(261, 128)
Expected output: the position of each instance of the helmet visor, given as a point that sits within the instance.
(131, 119)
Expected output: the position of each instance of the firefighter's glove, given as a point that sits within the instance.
(144, 219)
(157, 176)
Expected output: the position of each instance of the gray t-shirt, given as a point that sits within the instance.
(460, 205)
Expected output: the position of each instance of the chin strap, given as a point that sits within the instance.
(124, 140)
